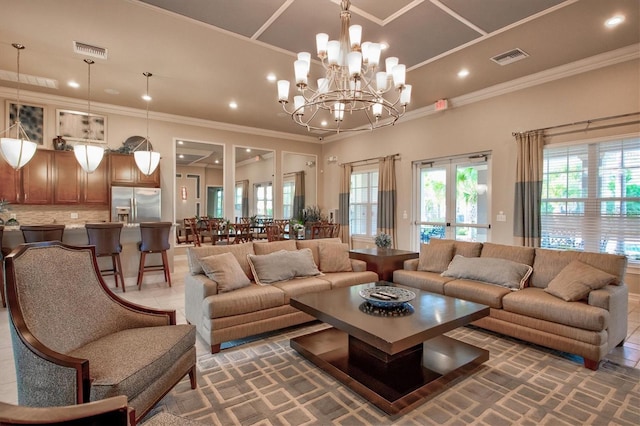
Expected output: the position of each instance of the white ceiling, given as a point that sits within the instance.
(205, 53)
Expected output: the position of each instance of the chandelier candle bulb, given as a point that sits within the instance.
(283, 90)
(355, 63)
(298, 104)
(377, 109)
(323, 85)
(333, 52)
(373, 54)
(389, 63)
(405, 95)
(339, 111)
(399, 73)
(301, 70)
(381, 81)
(355, 35)
(321, 44)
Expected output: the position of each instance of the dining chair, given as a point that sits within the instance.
(242, 232)
(274, 233)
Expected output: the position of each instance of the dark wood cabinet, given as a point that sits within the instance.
(125, 172)
(37, 179)
(72, 185)
(9, 182)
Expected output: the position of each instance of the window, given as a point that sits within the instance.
(263, 194)
(591, 197)
(453, 199)
(288, 192)
(237, 202)
(363, 203)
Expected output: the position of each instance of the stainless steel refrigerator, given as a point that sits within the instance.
(135, 205)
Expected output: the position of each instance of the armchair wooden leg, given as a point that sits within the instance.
(193, 378)
(215, 348)
(591, 364)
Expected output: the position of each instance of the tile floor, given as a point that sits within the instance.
(156, 293)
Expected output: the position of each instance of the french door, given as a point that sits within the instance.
(452, 199)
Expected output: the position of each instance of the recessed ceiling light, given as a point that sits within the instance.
(463, 73)
(323, 123)
(180, 156)
(271, 77)
(217, 161)
(614, 21)
(180, 142)
(73, 84)
(248, 149)
(233, 105)
(146, 97)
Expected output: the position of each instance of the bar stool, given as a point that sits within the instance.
(155, 239)
(106, 238)
(37, 233)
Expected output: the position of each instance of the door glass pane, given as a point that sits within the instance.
(433, 195)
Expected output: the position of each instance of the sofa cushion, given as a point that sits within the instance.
(273, 246)
(240, 251)
(282, 265)
(476, 291)
(463, 248)
(128, 362)
(300, 286)
(225, 270)
(537, 303)
(347, 279)
(313, 245)
(501, 272)
(513, 253)
(576, 281)
(436, 257)
(247, 299)
(427, 281)
(334, 257)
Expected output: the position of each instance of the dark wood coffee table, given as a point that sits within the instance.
(394, 362)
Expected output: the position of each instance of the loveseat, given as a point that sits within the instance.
(235, 291)
(574, 302)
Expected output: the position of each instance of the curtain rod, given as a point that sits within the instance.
(370, 159)
(587, 122)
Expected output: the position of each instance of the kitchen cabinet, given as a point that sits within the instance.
(37, 179)
(125, 172)
(10, 179)
(72, 185)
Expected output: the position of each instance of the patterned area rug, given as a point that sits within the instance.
(265, 382)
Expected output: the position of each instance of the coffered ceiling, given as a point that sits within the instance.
(205, 54)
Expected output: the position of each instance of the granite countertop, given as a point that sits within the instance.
(66, 227)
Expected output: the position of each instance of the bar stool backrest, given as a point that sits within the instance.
(37, 233)
(105, 236)
(155, 236)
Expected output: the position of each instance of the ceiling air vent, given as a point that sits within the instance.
(89, 50)
(510, 57)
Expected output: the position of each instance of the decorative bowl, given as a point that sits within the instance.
(386, 296)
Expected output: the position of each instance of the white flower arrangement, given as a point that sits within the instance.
(298, 226)
(383, 240)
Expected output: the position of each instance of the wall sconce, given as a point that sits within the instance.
(183, 193)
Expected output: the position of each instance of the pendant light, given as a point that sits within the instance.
(88, 155)
(147, 160)
(20, 150)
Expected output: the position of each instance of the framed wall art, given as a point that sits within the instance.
(75, 126)
(31, 117)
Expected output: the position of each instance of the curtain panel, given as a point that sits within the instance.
(299, 195)
(387, 198)
(343, 203)
(528, 188)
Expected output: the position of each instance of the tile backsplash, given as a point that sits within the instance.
(39, 215)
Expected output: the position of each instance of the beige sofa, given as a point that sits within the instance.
(559, 305)
(222, 313)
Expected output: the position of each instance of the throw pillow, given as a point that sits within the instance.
(576, 280)
(225, 270)
(334, 257)
(436, 257)
(282, 265)
(501, 272)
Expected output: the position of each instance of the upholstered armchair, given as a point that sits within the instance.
(106, 412)
(75, 341)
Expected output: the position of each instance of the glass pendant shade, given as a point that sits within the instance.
(88, 156)
(17, 152)
(147, 161)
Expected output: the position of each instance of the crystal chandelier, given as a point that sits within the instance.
(147, 160)
(88, 155)
(355, 94)
(17, 151)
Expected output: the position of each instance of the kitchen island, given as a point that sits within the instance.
(77, 235)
